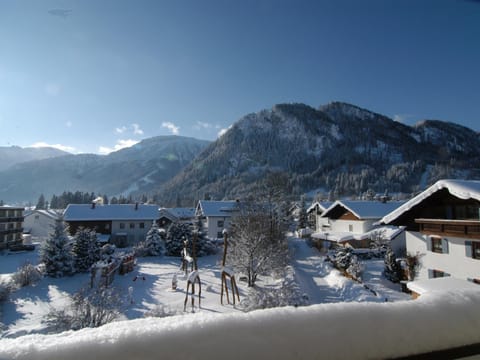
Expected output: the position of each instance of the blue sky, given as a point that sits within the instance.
(93, 76)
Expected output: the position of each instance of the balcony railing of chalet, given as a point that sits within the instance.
(12, 219)
(454, 228)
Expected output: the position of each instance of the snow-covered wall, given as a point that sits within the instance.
(329, 331)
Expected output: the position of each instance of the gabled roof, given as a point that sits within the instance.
(217, 208)
(178, 213)
(86, 212)
(365, 210)
(50, 213)
(462, 189)
(322, 206)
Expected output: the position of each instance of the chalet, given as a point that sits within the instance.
(443, 228)
(216, 216)
(124, 224)
(169, 215)
(39, 223)
(314, 213)
(353, 223)
(11, 226)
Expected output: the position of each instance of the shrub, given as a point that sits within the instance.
(88, 308)
(26, 275)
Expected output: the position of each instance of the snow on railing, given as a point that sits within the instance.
(331, 331)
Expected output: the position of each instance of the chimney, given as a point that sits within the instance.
(136, 206)
(93, 204)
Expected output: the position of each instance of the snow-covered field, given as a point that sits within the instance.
(151, 293)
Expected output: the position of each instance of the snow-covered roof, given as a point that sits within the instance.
(50, 213)
(177, 213)
(86, 212)
(462, 189)
(366, 210)
(217, 208)
(322, 206)
(442, 284)
(389, 233)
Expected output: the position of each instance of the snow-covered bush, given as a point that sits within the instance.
(392, 269)
(162, 311)
(343, 257)
(88, 308)
(355, 268)
(26, 275)
(287, 294)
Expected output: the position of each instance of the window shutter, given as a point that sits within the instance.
(430, 273)
(445, 245)
(468, 249)
(428, 239)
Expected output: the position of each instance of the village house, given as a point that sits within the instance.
(216, 216)
(39, 223)
(11, 226)
(443, 229)
(353, 224)
(169, 215)
(121, 224)
(314, 213)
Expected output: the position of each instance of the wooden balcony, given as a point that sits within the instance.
(469, 229)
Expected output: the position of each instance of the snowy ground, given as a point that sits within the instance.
(151, 282)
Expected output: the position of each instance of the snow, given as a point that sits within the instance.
(462, 189)
(347, 319)
(365, 209)
(217, 208)
(441, 285)
(330, 331)
(76, 212)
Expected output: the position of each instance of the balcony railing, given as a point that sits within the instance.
(455, 228)
(11, 219)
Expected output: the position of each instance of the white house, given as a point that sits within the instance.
(354, 223)
(39, 223)
(216, 216)
(314, 213)
(443, 228)
(126, 224)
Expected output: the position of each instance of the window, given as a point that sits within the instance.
(437, 274)
(122, 225)
(219, 234)
(350, 228)
(132, 225)
(476, 249)
(437, 244)
(141, 225)
(37, 217)
(220, 223)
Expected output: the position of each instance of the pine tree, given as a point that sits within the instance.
(56, 252)
(204, 246)
(40, 203)
(154, 242)
(85, 249)
(177, 232)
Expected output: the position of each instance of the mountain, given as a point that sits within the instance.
(11, 155)
(338, 150)
(138, 168)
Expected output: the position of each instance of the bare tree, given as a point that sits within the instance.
(258, 245)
